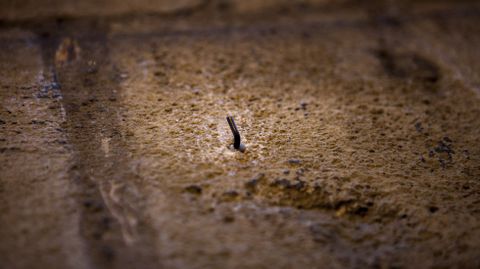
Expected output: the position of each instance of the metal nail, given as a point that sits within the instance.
(236, 135)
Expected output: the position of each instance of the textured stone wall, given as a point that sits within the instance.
(360, 120)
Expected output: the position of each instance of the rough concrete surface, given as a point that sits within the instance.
(361, 123)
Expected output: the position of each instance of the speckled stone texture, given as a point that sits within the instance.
(360, 120)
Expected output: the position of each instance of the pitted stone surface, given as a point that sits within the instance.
(361, 131)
